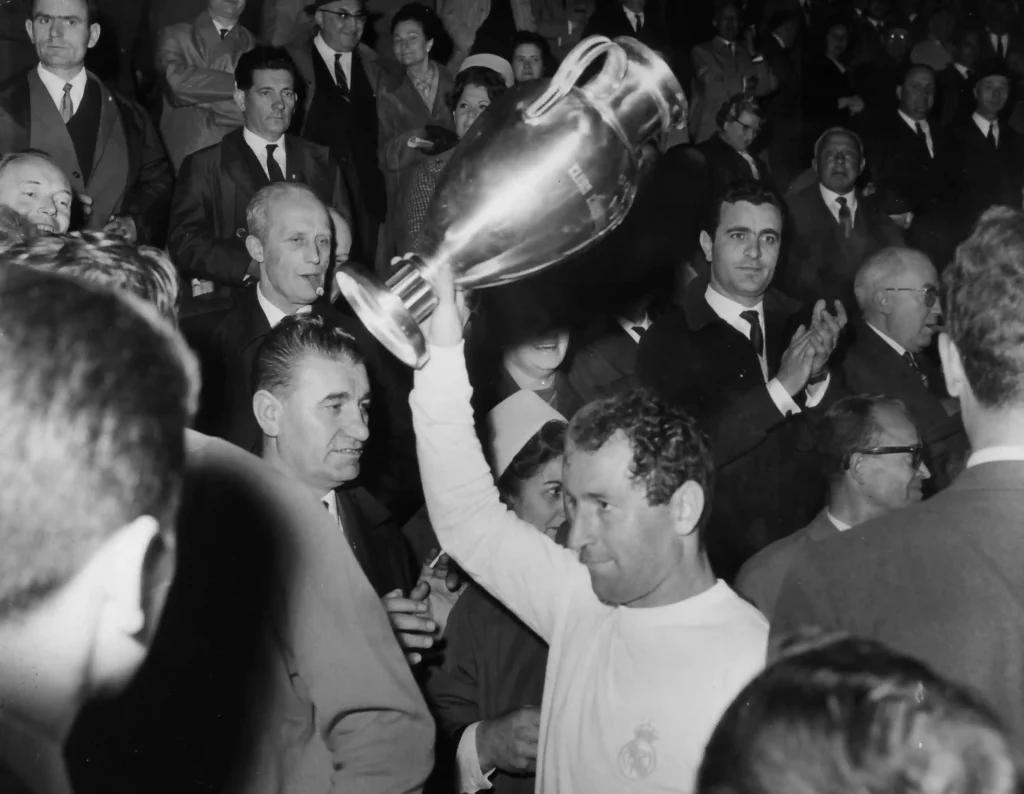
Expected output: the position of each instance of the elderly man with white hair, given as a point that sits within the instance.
(898, 293)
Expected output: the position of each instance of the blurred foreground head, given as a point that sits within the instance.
(849, 715)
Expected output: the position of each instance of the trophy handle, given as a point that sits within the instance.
(575, 64)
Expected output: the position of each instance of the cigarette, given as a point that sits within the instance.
(319, 292)
(435, 561)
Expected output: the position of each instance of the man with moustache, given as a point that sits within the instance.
(731, 356)
(834, 226)
(33, 185)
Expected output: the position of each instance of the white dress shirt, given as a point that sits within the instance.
(55, 86)
(964, 71)
(842, 526)
(900, 349)
(221, 27)
(273, 314)
(471, 777)
(259, 148)
(924, 126)
(996, 454)
(634, 18)
(830, 197)
(751, 162)
(328, 55)
(984, 124)
(998, 40)
(628, 326)
(839, 66)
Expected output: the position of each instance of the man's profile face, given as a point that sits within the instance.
(727, 23)
(892, 481)
(297, 249)
(341, 24)
(992, 94)
(230, 10)
(741, 132)
(745, 250)
(917, 94)
(268, 106)
(839, 163)
(40, 191)
(61, 32)
(629, 547)
(912, 322)
(323, 424)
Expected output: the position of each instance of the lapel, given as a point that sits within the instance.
(241, 165)
(301, 167)
(701, 318)
(16, 116)
(618, 347)
(361, 86)
(776, 319)
(883, 357)
(724, 53)
(253, 325)
(108, 118)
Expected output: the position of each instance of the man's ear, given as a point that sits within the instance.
(254, 247)
(687, 505)
(899, 92)
(952, 367)
(94, 34)
(267, 409)
(707, 244)
(240, 98)
(123, 561)
(881, 300)
(28, 29)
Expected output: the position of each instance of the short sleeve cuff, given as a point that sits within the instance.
(471, 777)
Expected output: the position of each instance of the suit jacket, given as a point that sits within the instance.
(985, 175)
(955, 101)
(130, 174)
(215, 185)
(197, 68)
(870, 366)
(939, 581)
(610, 20)
(605, 362)
(819, 261)
(768, 480)
(761, 577)
(784, 103)
(900, 164)
(823, 86)
(718, 74)
(1015, 42)
(726, 165)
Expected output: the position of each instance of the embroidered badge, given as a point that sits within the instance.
(637, 758)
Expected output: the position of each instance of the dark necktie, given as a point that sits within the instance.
(339, 74)
(756, 334)
(639, 22)
(639, 330)
(992, 135)
(922, 138)
(224, 33)
(273, 169)
(845, 216)
(909, 358)
(1000, 49)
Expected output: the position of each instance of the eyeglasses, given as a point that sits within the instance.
(916, 454)
(752, 128)
(931, 294)
(345, 16)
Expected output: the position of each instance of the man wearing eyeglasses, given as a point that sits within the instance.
(872, 456)
(339, 108)
(897, 291)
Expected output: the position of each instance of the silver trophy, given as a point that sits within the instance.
(539, 178)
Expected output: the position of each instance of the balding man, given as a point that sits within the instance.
(290, 238)
(898, 294)
(871, 454)
(33, 185)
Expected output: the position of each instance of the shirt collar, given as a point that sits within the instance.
(912, 123)
(55, 84)
(728, 309)
(258, 145)
(628, 326)
(842, 526)
(275, 315)
(779, 39)
(995, 454)
(962, 69)
(730, 44)
(889, 340)
(983, 123)
(830, 197)
(221, 27)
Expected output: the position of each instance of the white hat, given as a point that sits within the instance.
(512, 423)
(492, 62)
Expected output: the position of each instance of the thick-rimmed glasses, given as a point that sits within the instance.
(931, 294)
(358, 18)
(916, 452)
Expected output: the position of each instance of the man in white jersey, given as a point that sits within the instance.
(647, 647)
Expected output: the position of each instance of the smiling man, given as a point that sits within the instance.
(32, 184)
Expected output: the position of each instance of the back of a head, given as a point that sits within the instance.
(95, 394)
(849, 715)
(984, 293)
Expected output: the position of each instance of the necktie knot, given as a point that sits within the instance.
(274, 171)
(756, 334)
(223, 33)
(639, 330)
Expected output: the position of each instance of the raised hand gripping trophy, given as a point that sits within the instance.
(539, 178)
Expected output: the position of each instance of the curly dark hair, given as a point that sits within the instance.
(544, 446)
(984, 294)
(669, 449)
(488, 79)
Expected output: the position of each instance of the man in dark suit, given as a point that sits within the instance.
(340, 77)
(604, 362)
(1001, 35)
(860, 486)
(215, 185)
(782, 53)
(898, 294)
(988, 155)
(912, 159)
(614, 18)
(103, 141)
(723, 356)
(955, 102)
(941, 581)
(834, 226)
(728, 154)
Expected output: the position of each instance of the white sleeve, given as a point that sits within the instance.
(816, 391)
(786, 404)
(471, 777)
(519, 565)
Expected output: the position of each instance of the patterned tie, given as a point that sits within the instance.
(339, 74)
(756, 334)
(845, 216)
(909, 358)
(67, 107)
(273, 169)
(224, 33)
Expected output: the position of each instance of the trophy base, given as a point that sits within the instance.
(391, 313)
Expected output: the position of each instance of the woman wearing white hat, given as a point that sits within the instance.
(489, 689)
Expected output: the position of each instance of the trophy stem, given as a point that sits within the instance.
(410, 285)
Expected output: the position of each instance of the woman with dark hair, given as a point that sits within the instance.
(414, 116)
(829, 98)
(492, 678)
(475, 88)
(532, 58)
(727, 154)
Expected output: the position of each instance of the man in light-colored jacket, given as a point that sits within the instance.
(463, 19)
(197, 63)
